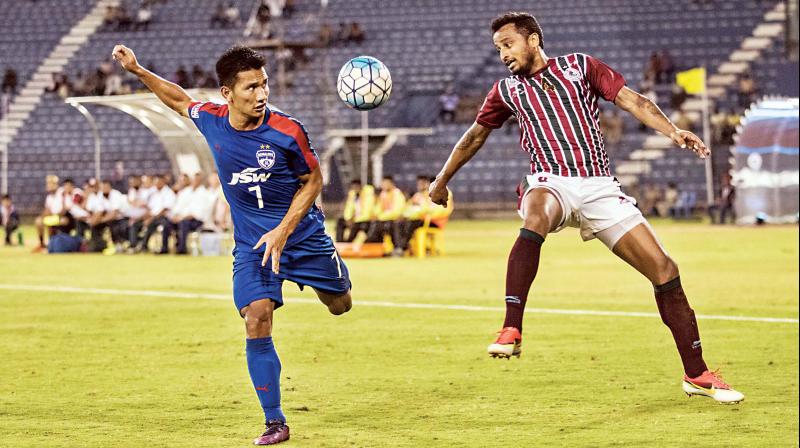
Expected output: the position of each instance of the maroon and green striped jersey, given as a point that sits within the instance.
(558, 114)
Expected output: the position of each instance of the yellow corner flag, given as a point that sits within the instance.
(693, 81)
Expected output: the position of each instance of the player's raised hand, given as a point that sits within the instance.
(125, 57)
(686, 139)
(438, 192)
(273, 242)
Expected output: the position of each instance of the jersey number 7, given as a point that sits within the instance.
(257, 189)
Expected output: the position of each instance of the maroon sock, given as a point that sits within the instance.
(679, 317)
(523, 262)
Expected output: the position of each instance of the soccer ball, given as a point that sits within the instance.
(364, 83)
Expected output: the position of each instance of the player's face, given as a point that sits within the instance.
(422, 185)
(516, 51)
(250, 93)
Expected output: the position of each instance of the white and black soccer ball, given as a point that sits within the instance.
(364, 83)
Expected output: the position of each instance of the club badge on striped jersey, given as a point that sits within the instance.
(572, 74)
(548, 86)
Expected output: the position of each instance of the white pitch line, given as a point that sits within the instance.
(431, 306)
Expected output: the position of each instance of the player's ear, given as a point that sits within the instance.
(226, 92)
(533, 40)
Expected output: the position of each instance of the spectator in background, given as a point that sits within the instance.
(414, 214)
(181, 77)
(106, 210)
(677, 97)
(346, 225)
(613, 126)
(448, 104)
(10, 81)
(143, 17)
(232, 15)
(325, 35)
(343, 34)
(684, 206)
(140, 188)
(9, 218)
(723, 206)
(220, 210)
(651, 195)
(124, 19)
(191, 208)
(388, 211)
(110, 17)
(667, 67)
(356, 34)
(653, 68)
(53, 204)
(113, 84)
(666, 204)
(60, 85)
(218, 18)
(682, 120)
(747, 90)
(159, 205)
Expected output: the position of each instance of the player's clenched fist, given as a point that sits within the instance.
(438, 192)
(125, 57)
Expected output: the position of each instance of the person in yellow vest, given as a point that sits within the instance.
(388, 212)
(418, 208)
(359, 208)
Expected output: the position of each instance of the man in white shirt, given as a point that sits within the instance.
(106, 210)
(53, 204)
(159, 205)
(190, 208)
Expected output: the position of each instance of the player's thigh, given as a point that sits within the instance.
(640, 248)
(542, 211)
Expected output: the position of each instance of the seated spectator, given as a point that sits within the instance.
(53, 203)
(140, 188)
(448, 103)
(181, 77)
(191, 207)
(220, 220)
(414, 214)
(110, 17)
(678, 96)
(218, 18)
(650, 197)
(9, 218)
(358, 210)
(388, 211)
(343, 35)
(124, 19)
(684, 206)
(666, 205)
(613, 126)
(356, 33)
(159, 205)
(325, 35)
(143, 17)
(106, 208)
(232, 14)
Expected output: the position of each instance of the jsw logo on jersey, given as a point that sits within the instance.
(249, 176)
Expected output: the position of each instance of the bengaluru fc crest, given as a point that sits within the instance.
(266, 157)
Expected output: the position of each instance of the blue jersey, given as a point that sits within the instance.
(259, 171)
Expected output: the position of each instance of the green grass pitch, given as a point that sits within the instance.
(104, 365)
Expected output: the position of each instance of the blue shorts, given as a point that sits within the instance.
(312, 262)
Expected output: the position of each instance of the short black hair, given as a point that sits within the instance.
(68, 181)
(355, 182)
(237, 59)
(525, 23)
(7, 196)
(389, 178)
(424, 177)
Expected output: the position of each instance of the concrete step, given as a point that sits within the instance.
(771, 30)
(744, 55)
(37, 84)
(74, 40)
(42, 77)
(31, 91)
(733, 68)
(646, 154)
(630, 167)
(656, 141)
(756, 43)
(18, 115)
(721, 80)
(25, 103)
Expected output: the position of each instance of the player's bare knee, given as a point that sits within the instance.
(538, 223)
(340, 306)
(666, 270)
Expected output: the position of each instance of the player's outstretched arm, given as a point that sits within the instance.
(465, 149)
(169, 93)
(651, 115)
(275, 239)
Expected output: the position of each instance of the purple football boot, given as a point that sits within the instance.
(276, 432)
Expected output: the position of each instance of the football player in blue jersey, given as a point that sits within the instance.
(271, 177)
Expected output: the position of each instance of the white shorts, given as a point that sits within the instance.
(592, 204)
